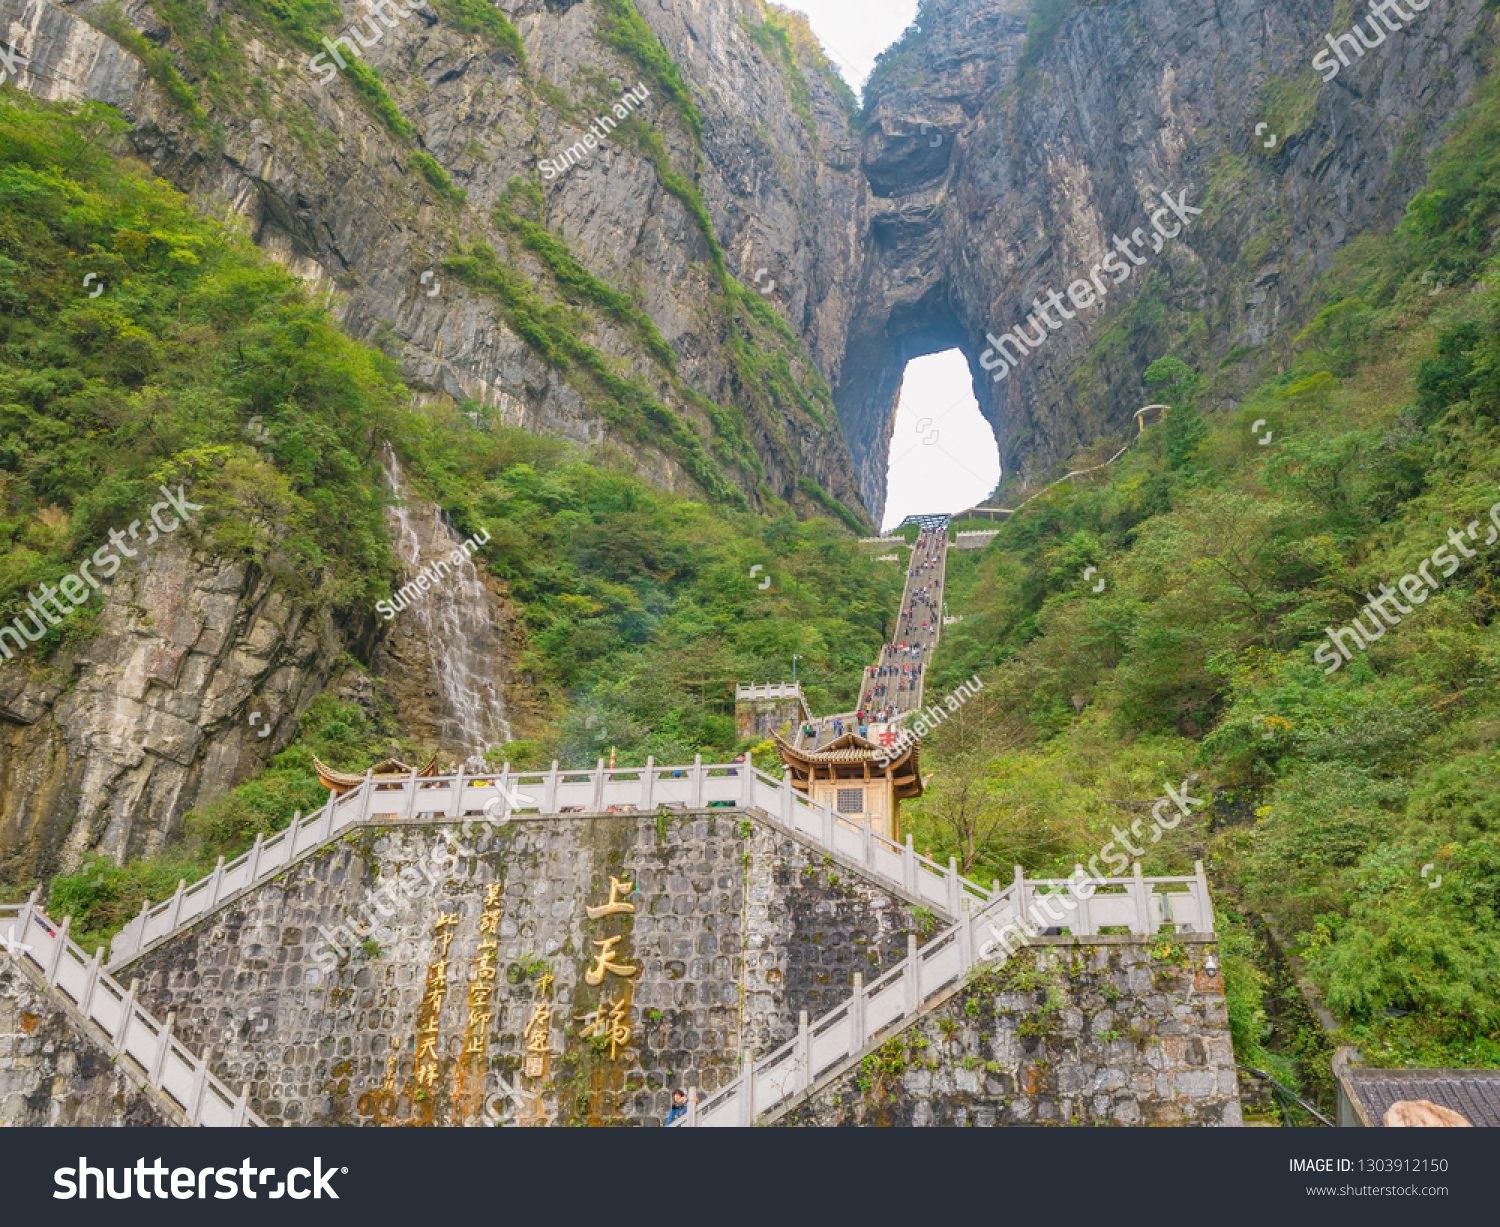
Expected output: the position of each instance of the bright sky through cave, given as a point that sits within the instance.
(854, 32)
(961, 465)
(943, 453)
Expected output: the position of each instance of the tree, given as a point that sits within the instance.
(963, 800)
(1177, 384)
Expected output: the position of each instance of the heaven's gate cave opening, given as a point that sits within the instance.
(943, 454)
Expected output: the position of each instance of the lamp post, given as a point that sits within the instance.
(795, 659)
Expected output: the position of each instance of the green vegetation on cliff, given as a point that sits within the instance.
(202, 363)
(199, 363)
(1359, 808)
(624, 29)
(778, 37)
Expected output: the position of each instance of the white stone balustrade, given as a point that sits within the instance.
(130, 1030)
(1141, 905)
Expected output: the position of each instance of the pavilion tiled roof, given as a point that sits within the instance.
(848, 748)
(343, 781)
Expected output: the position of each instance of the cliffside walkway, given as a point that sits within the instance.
(121, 1027)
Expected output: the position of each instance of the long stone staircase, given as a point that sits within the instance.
(928, 567)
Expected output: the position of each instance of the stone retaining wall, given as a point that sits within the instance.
(736, 928)
(1115, 1033)
(52, 1072)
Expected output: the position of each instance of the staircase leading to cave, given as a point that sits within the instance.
(877, 694)
(928, 564)
(823, 1047)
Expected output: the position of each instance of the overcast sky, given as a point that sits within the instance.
(854, 32)
(960, 465)
(943, 454)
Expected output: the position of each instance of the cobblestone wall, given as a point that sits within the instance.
(1115, 1034)
(52, 1072)
(429, 1019)
(762, 717)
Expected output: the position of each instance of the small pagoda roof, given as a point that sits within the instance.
(846, 748)
(342, 781)
(903, 766)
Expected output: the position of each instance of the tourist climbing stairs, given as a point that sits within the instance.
(893, 687)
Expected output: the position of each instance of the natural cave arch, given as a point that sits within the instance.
(879, 349)
(943, 456)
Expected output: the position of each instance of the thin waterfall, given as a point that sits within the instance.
(463, 635)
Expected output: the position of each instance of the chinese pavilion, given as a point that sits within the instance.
(846, 772)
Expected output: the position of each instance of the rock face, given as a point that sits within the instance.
(1104, 1034)
(991, 168)
(110, 744)
(1000, 170)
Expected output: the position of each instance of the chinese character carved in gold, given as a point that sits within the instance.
(612, 1024)
(604, 961)
(615, 904)
(536, 1029)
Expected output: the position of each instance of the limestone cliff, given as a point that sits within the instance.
(105, 748)
(706, 281)
(1002, 166)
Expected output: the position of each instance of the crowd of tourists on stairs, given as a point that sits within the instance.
(894, 685)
